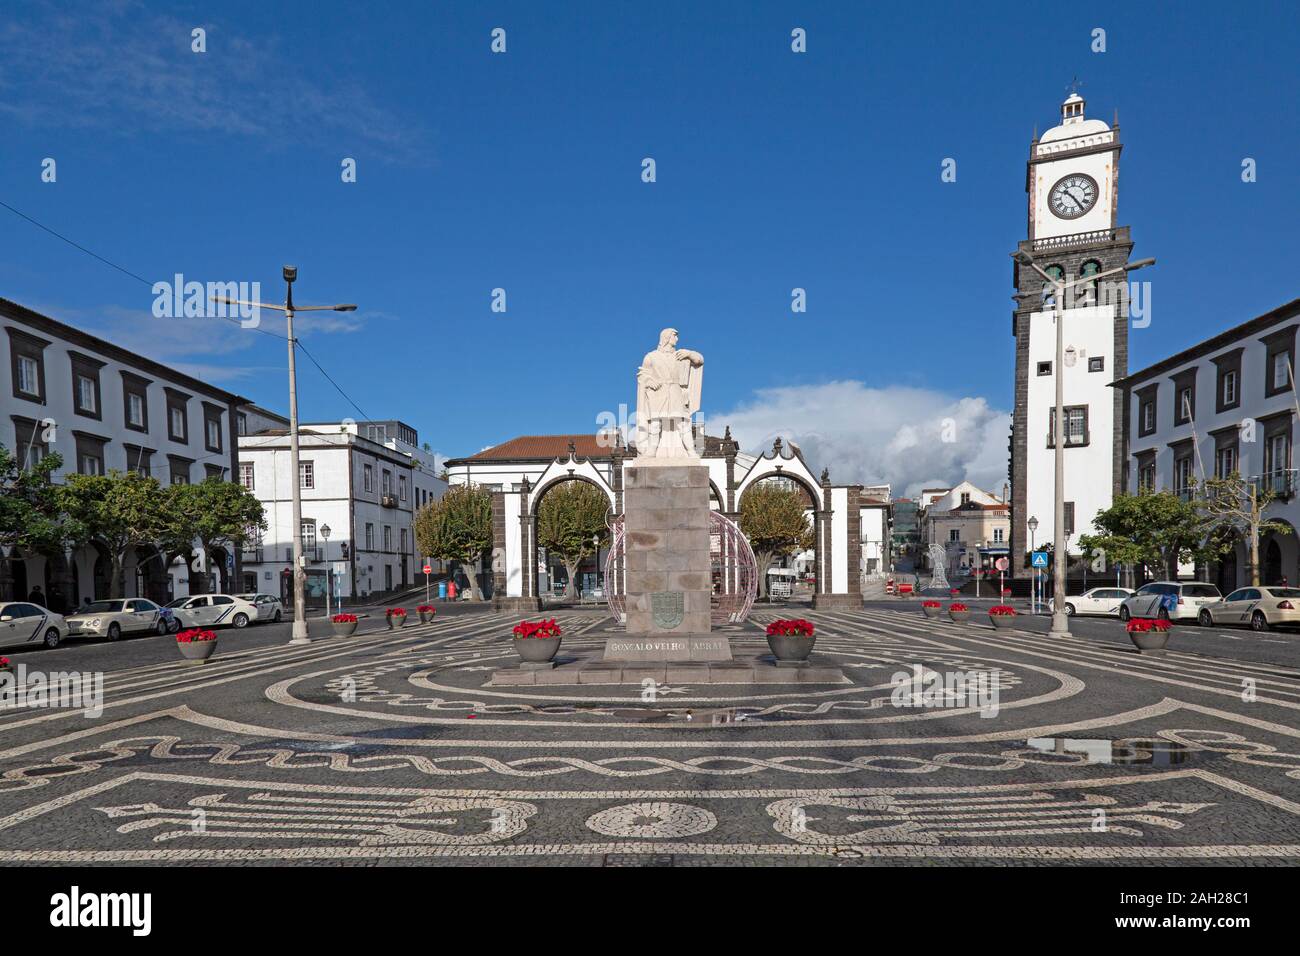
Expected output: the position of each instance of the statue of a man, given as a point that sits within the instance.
(667, 395)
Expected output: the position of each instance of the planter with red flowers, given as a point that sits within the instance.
(958, 612)
(426, 612)
(931, 608)
(396, 617)
(1148, 634)
(791, 641)
(536, 642)
(196, 645)
(6, 665)
(343, 625)
(1002, 615)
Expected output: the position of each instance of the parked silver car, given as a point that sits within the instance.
(23, 624)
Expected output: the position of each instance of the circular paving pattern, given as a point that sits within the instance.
(653, 821)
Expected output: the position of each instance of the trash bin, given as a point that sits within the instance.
(442, 590)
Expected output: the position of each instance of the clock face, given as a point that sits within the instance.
(1073, 196)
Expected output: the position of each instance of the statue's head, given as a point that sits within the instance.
(668, 339)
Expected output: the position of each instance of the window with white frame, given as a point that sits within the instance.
(246, 474)
(370, 536)
(388, 537)
(368, 478)
(306, 474)
(29, 375)
(997, 535)
(86, 395)
(401, 484)
(1229, 388)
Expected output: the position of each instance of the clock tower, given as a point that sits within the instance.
(1072, 185)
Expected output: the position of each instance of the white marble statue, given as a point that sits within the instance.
(667, 395)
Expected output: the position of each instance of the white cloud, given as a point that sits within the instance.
(909, 437)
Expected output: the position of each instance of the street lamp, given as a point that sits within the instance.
(1032, 524)
(329, 576)
(299, 563)
(1061, 622)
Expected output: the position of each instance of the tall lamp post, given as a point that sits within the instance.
(299, 562)
(1032, 525)
(1061, 621)
(329, 575)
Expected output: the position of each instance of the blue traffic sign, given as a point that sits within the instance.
(1039, 559)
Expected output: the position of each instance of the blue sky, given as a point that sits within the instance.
(523, 171)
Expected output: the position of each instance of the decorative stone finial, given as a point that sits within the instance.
(826, 476)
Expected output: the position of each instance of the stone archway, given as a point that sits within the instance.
(534, 553)
(813, 510)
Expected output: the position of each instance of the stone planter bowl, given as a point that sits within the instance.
(1149, 640)
(425, 617)
(197, 652)
(787, 648)
(930, 611)
(959, 616)
(537, 650)
(1002, 620)
(395, 622)
(343, 628)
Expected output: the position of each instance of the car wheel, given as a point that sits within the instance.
(1258, 622)
(1123, 612)
(52, 638)
(160, 628)
(1204, 619)
(1069, 610)
(114, 632)
(276, 619)
(240, 620)
(174, 625)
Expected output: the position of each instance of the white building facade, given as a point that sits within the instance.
(103, 408)
(359, 498)
(1225, 405)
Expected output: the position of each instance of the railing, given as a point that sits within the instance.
(1097, 237)
(1280, 482)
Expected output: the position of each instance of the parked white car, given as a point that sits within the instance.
(268, 606)
(1172, 600)
(213, 610)
(116, 617)
(1104, 601)
(23, 624)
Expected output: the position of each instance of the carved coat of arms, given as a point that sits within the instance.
(666, 609)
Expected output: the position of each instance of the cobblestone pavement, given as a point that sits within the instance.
(394, 747)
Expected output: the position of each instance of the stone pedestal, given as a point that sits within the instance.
(668, 569)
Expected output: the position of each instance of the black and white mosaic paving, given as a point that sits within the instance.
(396, 747)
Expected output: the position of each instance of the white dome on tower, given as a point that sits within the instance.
(1072, 122)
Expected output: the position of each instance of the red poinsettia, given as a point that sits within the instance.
(344, 619)
(957, 606)
(797, 627)
(426, 609)
(538, 629)
(1001, 609)
(4, 662)
(194, 635)
(931, 604)
(1143, 624)
(395, 612)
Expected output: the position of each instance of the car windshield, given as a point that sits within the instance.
(1284, 592)
(103, 607)
(179, 602)
(1200, 590)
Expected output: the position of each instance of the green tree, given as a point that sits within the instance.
(31, 520)
(218, 513)
(571, 520)
(1235, 508)
(772, 518)
(457, 527)
(122, 511)
(1155, 528)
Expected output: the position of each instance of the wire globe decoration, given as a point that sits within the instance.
(735, 571)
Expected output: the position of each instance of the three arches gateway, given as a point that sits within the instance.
(835, 515)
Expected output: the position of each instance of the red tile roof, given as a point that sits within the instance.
(544, 447)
